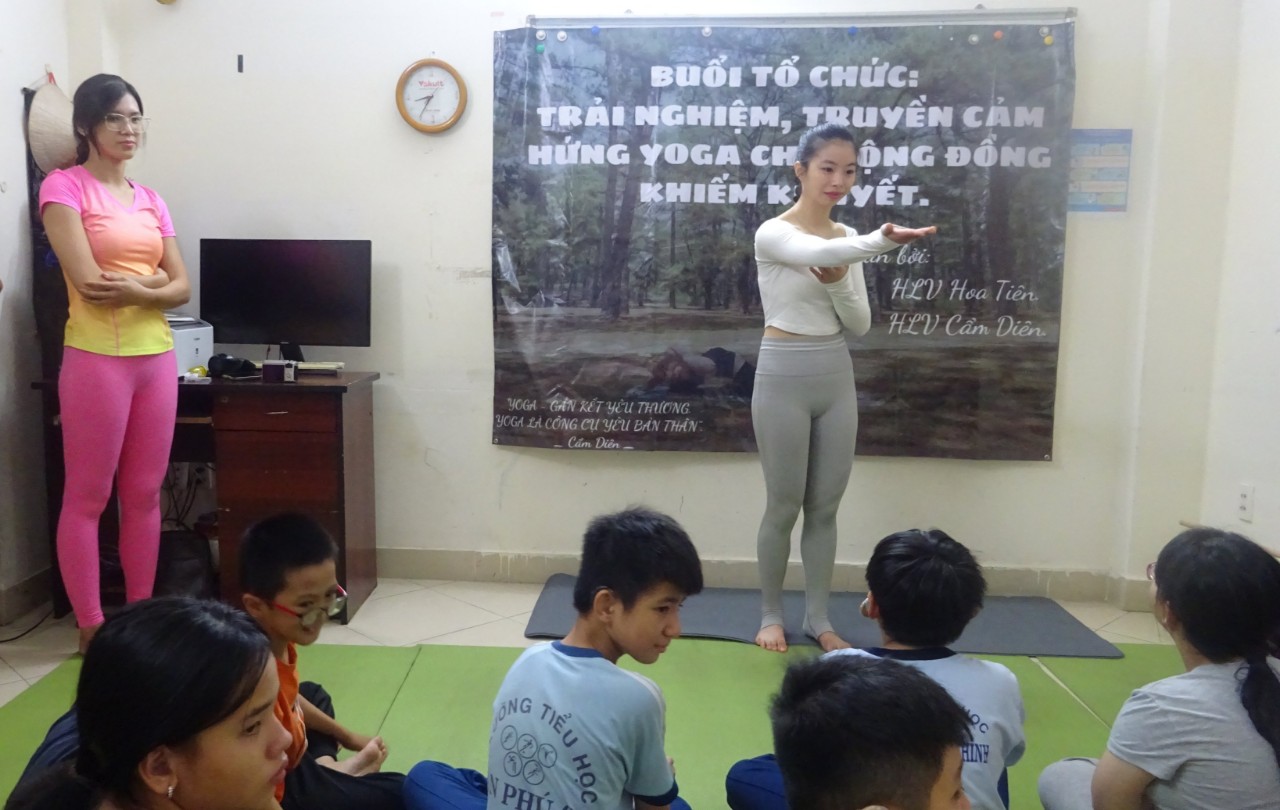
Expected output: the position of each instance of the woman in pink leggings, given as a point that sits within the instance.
(118, 387)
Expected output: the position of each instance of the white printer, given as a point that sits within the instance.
(192, 340)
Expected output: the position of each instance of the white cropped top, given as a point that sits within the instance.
(793, 298)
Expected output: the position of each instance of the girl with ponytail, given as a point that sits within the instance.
(1210, 737)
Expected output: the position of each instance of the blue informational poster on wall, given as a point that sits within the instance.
(1100, 170)
(632, 166)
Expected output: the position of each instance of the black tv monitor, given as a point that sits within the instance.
(294, 292)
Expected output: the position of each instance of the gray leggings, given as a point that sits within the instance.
(805, 413)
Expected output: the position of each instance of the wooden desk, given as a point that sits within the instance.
(304, 446)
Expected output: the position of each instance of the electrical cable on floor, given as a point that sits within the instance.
(28, 630)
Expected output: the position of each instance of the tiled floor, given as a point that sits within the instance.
(405, 612)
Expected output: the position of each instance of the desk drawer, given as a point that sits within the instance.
(297, 470)
(277, 411)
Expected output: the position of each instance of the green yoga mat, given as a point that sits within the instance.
(434, 702)
(1104, 686)
(362, 680)
(717, 697)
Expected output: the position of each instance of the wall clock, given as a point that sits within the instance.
(431, 95)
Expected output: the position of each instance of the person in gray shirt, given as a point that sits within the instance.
(1209, 738)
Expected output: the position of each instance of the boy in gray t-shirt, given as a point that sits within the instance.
(570, 729)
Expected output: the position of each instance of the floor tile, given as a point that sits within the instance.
(9, 691)
(1093, 615)
(1142, 626)
(7, 673)
(502, 633)
(504, 598)
(395, 587)
(36, 655)
(343, 634)
(411, 617)
(1118, 638)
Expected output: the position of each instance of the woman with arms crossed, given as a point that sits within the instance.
(118, 388)
(805, 407)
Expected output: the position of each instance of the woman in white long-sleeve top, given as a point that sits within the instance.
(805, 406)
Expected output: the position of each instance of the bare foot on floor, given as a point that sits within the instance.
(773, 637)
(829, 641)
(365, 761)
(86, 635)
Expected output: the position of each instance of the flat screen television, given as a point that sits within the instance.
(294, 292)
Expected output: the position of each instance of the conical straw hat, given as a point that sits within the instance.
(49, 133)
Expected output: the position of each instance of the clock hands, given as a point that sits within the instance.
(426, 100)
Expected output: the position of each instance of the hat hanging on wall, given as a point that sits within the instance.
(53, 145)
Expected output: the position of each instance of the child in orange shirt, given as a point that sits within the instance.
(288, 575)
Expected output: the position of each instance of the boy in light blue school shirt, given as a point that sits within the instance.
(923, 589)
(570, 728)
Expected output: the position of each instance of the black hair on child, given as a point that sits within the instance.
(632, 551)
(274, 546)
(854, 731)
(927, 586)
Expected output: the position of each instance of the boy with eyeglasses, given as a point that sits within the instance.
(288, 575)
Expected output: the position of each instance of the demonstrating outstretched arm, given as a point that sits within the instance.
(785, 244)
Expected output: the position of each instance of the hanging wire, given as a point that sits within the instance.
(28, 630)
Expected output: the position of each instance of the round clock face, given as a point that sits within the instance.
(431, 96)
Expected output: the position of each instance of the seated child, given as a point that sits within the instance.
(288, 575)
(1210, 736)
(570, 728)
(173, 710)
(861, 731)
(923, 589)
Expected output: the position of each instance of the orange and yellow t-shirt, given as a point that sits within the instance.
(288, 712)
(124, 239)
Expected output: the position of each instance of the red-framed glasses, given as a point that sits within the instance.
(315, 615)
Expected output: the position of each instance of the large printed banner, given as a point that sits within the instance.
(632, 167)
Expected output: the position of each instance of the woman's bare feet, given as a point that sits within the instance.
(829, 641)
(773, 637)
(86, 635)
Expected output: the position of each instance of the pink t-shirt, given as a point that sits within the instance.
(123, 239)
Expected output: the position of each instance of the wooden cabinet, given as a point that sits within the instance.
(304, 447)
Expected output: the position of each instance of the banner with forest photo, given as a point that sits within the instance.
(632, 166)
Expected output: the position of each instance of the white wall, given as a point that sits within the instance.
(1244, 434)
(32, 34)
(307, 143)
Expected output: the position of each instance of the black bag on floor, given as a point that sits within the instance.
(185, 567)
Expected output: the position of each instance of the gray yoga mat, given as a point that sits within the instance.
(1007, 625)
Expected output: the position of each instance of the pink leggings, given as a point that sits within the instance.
(117, 420)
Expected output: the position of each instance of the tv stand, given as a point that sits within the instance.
(291, 351)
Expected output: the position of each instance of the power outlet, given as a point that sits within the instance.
(1244, 504)
(201, 475)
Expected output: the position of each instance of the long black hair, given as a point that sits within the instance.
(1224, 590)
(157, 674)
(94, 99)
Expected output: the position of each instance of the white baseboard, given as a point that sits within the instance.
(20, 599)
(497, 566)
